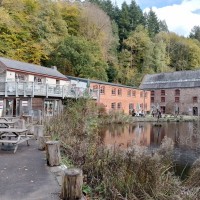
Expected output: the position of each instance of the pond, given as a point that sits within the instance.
(186, 136)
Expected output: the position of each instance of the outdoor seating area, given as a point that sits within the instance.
(12, 133)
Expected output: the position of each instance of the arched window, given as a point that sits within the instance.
(177, 92)
(102, 89)
(113, 91)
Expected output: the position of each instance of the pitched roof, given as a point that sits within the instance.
(179, 79)
(31, 68)
(99, 82)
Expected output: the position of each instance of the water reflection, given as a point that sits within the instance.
(186, 136)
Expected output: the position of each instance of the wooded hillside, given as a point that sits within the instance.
(94, 39)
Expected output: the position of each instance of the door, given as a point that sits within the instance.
(9, 107)
(195, 111)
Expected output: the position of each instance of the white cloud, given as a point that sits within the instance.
(180, 18)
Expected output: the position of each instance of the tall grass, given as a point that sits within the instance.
(113, 173)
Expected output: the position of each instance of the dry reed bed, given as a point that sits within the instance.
(115, 174)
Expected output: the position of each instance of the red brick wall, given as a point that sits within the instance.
(108, 98)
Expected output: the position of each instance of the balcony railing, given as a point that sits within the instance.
(33, 89)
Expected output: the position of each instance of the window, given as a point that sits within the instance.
(120, 92)
(113, 105)
(177, 99)
(119, 105)
(145, 106)
(141, 105)
(102, 89)
(129, 93)
(131, 106)
(194, 99)
(152, 93)
(20, 77)
(145, 94)
(162, 92)
(152, 99)
(141, 94)
(162, 99)
(177, 92)
(113, 91)
(134, 93)
(49, 107)
(38, 80)
(95, 87)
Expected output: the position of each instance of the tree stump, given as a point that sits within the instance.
(21, 123)
(42, 142)
(38, 131)
(72, 184)
(53, 153)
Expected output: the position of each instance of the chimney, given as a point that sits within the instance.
(54, 67)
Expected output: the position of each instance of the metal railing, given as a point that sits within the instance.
(34, 89)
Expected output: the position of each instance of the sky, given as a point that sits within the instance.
(180, 15)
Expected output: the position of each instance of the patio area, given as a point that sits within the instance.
(25, 176)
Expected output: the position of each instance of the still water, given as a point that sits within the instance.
(186, 137)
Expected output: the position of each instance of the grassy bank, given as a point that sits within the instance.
(114, 173)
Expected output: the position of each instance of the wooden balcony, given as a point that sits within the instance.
(32, 89)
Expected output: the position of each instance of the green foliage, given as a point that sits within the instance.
(195, 33)
(71, 15)
(99, 41)
(79, 57)
(152, 23)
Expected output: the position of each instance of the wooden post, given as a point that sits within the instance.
(72, 184)
(42, 142)
(6, 89)
(53, 153)
(21, 124)
(40, 116)
(38, 131)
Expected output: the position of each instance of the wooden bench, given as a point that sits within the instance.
(7, 134)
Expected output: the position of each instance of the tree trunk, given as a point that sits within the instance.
(53, 153)
(72, 184)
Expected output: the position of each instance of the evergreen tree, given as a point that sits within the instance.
(135, 15)
(195, 33)
(124, 23)
(152, 23)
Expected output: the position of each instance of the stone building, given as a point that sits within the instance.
(174, 92)
(116, 96)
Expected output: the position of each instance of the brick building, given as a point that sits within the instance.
(174, 92)
(115, 96)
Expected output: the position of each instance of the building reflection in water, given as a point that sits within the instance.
(184, 134)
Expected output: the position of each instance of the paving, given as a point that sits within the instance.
(25, 175)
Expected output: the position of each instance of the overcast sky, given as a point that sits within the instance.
(180, 15)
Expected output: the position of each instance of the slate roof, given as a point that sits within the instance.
(179, 79)
(32, 68)
(99, 82)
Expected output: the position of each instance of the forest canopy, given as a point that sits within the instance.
(94, 39)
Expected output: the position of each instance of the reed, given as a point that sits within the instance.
(114, 173)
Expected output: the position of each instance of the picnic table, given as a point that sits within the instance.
(18, 136)
(9, 118)
(6, 124)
